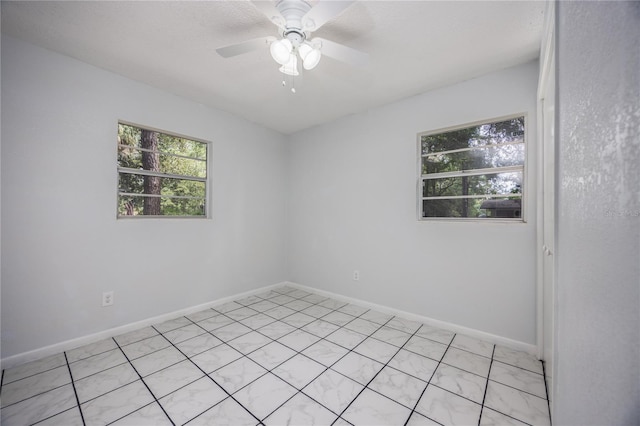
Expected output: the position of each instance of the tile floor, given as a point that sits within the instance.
(283, 357)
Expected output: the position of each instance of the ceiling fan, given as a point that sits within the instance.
(296, 20)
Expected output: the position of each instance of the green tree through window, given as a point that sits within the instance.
(160, 174)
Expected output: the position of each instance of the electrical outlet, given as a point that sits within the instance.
(107, 298)
(356, 275)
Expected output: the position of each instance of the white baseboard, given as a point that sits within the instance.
(492, 338)
(57, 348)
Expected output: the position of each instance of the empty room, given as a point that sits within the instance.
(319, 212)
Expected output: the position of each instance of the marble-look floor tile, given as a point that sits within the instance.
(298, 305)
(436, 334)
(314, 298)
(320, 328)
(86, 351)
(474, 345)
(299, 371)
(172, 378)
(413, 364)
(231, 331)
(226, 413)
(114, 405)
(33, 367)
(184, 333)
(402, 324)
(316, 311)
(298, 319)
(192, 400)
(97, 363)
(300, 410)
(353, 310)
(518, 359)
(371, 408)
(338, 318)
(215, 322)
(256, 321)
(158, 360)
(263, 306)
(298, 340)
(391, 335)
(398, 386)
(202, 315)
(276, 329)
(362, 326)
(249, 342)
(172, 324)
(237, 374)
(71, 417)
(264, 395)
(448, 408)
(135, 335)
(418, 419)
(333, 390)
(467, 361)
(493, 418)
(297, 293)
(145, 347)
(426, 347)
(198, 344)
(267, 294)
(34, 385)
(241, 313)
(249, 300)
(357, 367)
(215, 358)
(332, 303)
(346, 338)
(271, 355)
(376, 349)
(517, 404)
(227, 307)
(39, 407)
(518, 378)
(377, 317)
(105, 381)
(149, 415)
(282, 299)
(325, 352)
(460, 382)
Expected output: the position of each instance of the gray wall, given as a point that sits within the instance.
(598, 302)
(62, 245)
(353, 206)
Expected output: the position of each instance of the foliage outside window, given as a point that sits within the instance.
(160, 175)
(473, 172)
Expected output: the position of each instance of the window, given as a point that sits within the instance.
(473, 172)
(160, 175)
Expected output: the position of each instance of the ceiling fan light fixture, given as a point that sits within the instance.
(281, 51)
(291, 67)
(310, 56)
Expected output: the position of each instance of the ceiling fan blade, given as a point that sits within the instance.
(341, 52)
(247, 46)
(323, 12)
(269, 10)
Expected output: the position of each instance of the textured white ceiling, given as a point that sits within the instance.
(414, 46)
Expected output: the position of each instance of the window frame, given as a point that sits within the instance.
(525, 187)
(207, 180)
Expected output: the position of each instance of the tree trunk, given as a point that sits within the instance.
(151, 162)
(465, 201)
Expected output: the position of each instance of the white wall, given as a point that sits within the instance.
(61, 243)
(352, 205)
(598, 282)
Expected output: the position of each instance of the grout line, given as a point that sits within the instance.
(486, 385)
(145, 384)
(75, 392)
(429, 382)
